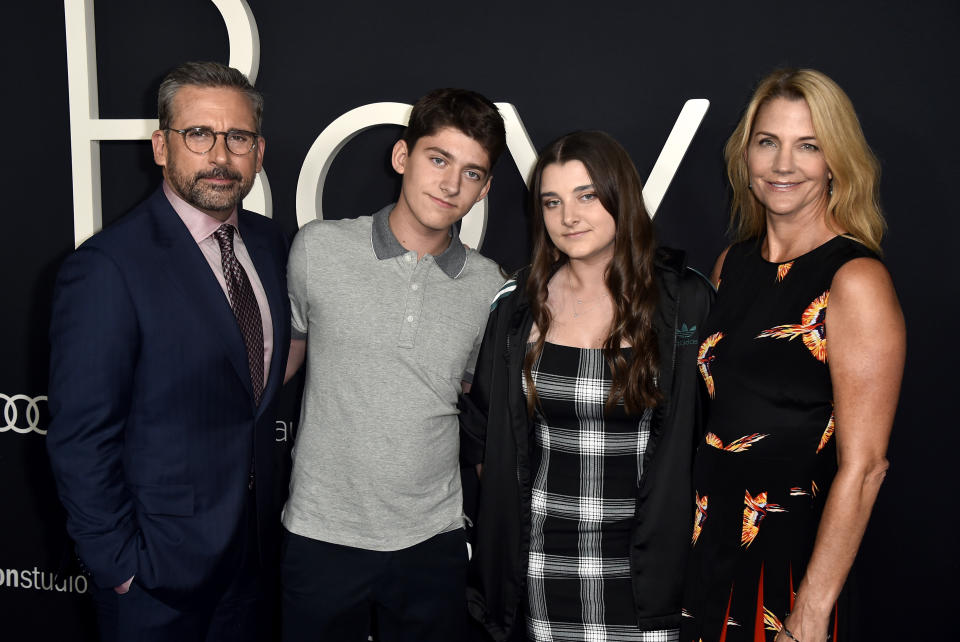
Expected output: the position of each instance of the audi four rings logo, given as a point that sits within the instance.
(22, 413)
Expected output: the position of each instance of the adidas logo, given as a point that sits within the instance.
(687, 336)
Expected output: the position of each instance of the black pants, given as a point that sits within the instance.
(416, 594)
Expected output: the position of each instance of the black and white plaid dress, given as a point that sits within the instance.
(587, 466)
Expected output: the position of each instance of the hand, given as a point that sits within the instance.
(123, 588)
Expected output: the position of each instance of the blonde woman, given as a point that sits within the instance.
(794, 452)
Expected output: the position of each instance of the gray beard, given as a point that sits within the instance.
(210, 197)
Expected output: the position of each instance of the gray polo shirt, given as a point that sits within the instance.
(375, 464)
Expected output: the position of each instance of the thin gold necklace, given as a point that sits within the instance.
(577, 312)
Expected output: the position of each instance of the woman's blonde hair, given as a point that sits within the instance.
(854, 201)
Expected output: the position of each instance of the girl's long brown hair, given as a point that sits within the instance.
(629, 277)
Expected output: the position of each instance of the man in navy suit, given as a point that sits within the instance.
(169, 340)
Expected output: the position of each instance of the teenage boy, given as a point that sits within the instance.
(395, 308)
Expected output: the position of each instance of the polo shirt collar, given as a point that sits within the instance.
(386, 245)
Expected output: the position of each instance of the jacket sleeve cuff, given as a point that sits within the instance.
(112, 559)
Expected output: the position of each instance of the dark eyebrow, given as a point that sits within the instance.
(579, 188)
(448, 155)
(442, 151)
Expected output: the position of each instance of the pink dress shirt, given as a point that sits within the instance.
(201, 227)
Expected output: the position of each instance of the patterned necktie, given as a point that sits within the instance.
(244, 305)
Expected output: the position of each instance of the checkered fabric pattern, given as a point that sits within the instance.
(243, 302)
(587, 468)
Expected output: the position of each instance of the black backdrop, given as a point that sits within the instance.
(623, 67)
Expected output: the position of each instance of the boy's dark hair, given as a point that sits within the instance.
(468, 111)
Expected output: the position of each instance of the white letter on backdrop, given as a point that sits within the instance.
(316, 165)
(87, 129)
(688, 122)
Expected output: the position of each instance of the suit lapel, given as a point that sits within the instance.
(192, 275)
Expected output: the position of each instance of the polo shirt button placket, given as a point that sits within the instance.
(413, 301)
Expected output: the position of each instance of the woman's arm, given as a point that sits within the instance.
(866, 349)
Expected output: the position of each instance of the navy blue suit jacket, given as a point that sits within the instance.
(154, 427)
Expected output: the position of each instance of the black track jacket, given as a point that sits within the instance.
(496, 431)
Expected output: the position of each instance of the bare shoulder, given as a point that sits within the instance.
(863, 304)
(863, 281)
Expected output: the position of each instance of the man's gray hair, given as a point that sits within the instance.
(204, 74)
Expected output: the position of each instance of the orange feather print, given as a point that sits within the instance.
(713, 440)
(827, 433)
(782, 270)
(798, 491)
(700, 517)
(705, 356)
(770, 621)
(755, 509)
(737, 445)
(811, 328)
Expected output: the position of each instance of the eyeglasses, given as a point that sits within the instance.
(201, 140)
